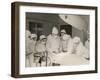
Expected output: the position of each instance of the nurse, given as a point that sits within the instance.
(66, 43)
(41, 51)
(79, 49)
(53, 44)
(30, 49)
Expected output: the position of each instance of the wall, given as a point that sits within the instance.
(48, 20)
(78, 22)
(5, 41)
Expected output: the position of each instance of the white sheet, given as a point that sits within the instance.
(69, 59)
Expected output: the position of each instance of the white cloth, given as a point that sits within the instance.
(52, 45)
(69, 59)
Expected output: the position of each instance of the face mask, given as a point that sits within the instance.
(43, 42)
(54, 35)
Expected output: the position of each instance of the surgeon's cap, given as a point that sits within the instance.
(76, 39)
(65, 37)
(63, 31)
(42, 37)
(33, 36)
(55, 30)
(28, 33)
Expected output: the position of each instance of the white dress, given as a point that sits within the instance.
(30, 50)
(74, 58)
(53, 47)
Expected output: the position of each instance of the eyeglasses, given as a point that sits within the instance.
(44, 39)
(34, 38)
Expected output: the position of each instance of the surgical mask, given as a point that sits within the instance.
(43, 42)
(54, 35)
(34, 39)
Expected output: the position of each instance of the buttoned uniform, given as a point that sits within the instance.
(53, 46)
(41, 51)
(80, 50)
(30, 50)
(66, 45)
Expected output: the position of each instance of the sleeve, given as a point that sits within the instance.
(70, 46)
(28, 47)
(48, 44)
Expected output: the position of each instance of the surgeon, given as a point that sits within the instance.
(79, 49)
(30, 49)
(41, 51)
(66, 43)
(53, 44)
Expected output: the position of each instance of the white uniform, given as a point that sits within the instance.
(80, 50)
(53, 44)
(66, 43)
(30, 50)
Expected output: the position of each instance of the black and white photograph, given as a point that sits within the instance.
(51, 39)
(56, 40)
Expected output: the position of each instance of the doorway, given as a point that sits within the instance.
(67, 28)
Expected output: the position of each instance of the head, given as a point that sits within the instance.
(63, 32)
(34, 37)
(76, 40)
(43, 39)
(54, 32)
